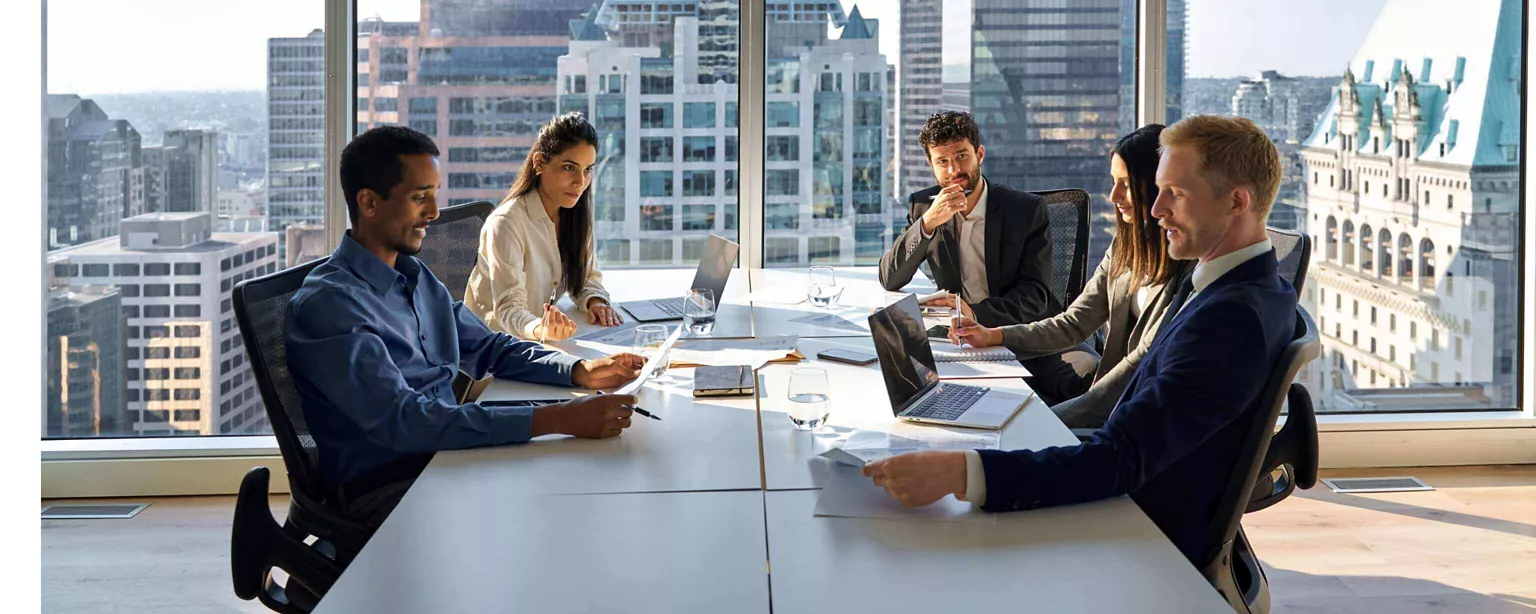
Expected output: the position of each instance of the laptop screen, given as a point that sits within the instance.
(901, 343)
(715, 266)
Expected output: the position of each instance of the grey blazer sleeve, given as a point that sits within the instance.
(907, 252)
(1069, 328)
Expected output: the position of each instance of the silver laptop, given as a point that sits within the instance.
(912, 379)
(713, 272)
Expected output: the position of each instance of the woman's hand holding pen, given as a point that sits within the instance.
(555, 325)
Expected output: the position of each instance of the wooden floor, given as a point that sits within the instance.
(1469, 547)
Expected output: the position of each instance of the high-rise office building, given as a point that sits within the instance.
(94, 171)
(1412, 201)
(477, 77)
(920, 89)
(183, 360)
(295, 181)
(85, 376)
(182, 173)
(669, 179)
(1047, 83)
(1286, 109)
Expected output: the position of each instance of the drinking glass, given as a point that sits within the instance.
(823, 289)
(648, 340)
(699, 311)
(809, 404)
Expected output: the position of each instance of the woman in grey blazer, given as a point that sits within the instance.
(1129, 292)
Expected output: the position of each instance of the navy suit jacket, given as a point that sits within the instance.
(1176, 433)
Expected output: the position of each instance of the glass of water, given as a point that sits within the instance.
(808, 398)
(648, 340)
(699, 311)
(823, 289)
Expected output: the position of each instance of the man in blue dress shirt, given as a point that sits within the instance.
(1174, 437)
(374, 342)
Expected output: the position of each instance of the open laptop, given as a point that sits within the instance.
(714, 270)
(912, 379)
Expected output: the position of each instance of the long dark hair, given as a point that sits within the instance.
(575, 228)
(1141, 249)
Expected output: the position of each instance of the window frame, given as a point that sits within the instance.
(1378, 440)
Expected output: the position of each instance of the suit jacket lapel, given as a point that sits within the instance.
(992, 251)
(950, 252)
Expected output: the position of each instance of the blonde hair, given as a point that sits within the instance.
(1233, 152)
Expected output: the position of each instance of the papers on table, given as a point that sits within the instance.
(863, 446)
(949, 352)
(723, 352)
(622, 335)
(849, 494)
(651, 363)
(832, 320)
(963, 362)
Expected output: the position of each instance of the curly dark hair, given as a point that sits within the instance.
(948, 127)
(372, 161)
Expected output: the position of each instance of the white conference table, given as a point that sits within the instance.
(690, 513)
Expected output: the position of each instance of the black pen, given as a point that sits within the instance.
(642, 412)
(637, 410)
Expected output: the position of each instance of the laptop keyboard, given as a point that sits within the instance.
(948, 403)
(671, 306)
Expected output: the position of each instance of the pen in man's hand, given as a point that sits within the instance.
(642, 412)
(637, 410)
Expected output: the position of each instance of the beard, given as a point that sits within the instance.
(968, 181)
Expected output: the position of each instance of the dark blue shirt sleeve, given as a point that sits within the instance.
(1207, 377)
(483, 352)
(333, 347)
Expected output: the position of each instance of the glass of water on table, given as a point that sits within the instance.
(809, 397)
(648, 340)
(699, 311)
(822, 288)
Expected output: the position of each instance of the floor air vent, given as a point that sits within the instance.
(92, 510)
(1364, 485)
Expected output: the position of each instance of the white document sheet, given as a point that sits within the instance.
(725, 352)
(848, 494)
(651, 363)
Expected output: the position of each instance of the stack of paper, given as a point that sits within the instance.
(753, 353)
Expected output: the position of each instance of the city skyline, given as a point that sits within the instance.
(75, 65)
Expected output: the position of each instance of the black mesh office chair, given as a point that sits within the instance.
(1068, 210)
(453, 244)
(261, 305)
(450, 251)
(1299, 436)
(1294, 251)
(1229, 562)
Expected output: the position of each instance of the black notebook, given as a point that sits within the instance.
(727, 381)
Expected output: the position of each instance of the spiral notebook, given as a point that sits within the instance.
(951, 353)
(956, 362)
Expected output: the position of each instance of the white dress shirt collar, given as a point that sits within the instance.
(980, 212)
(1208, 272)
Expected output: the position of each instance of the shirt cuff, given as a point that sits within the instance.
(926, 235)
(566, 364)
(510, 424)
(975, 479)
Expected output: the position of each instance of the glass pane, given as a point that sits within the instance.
(486, 74)
(170, 177)
(1401, 131)
(1050, 83)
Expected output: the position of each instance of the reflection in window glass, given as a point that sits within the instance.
(1409, 194)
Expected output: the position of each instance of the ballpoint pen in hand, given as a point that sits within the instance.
(637, 410)
(548, 305)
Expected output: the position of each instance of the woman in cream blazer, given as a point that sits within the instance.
(538, 243)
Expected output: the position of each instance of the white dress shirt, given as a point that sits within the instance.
(1203, 276)
(973, 250)
(519, 266)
